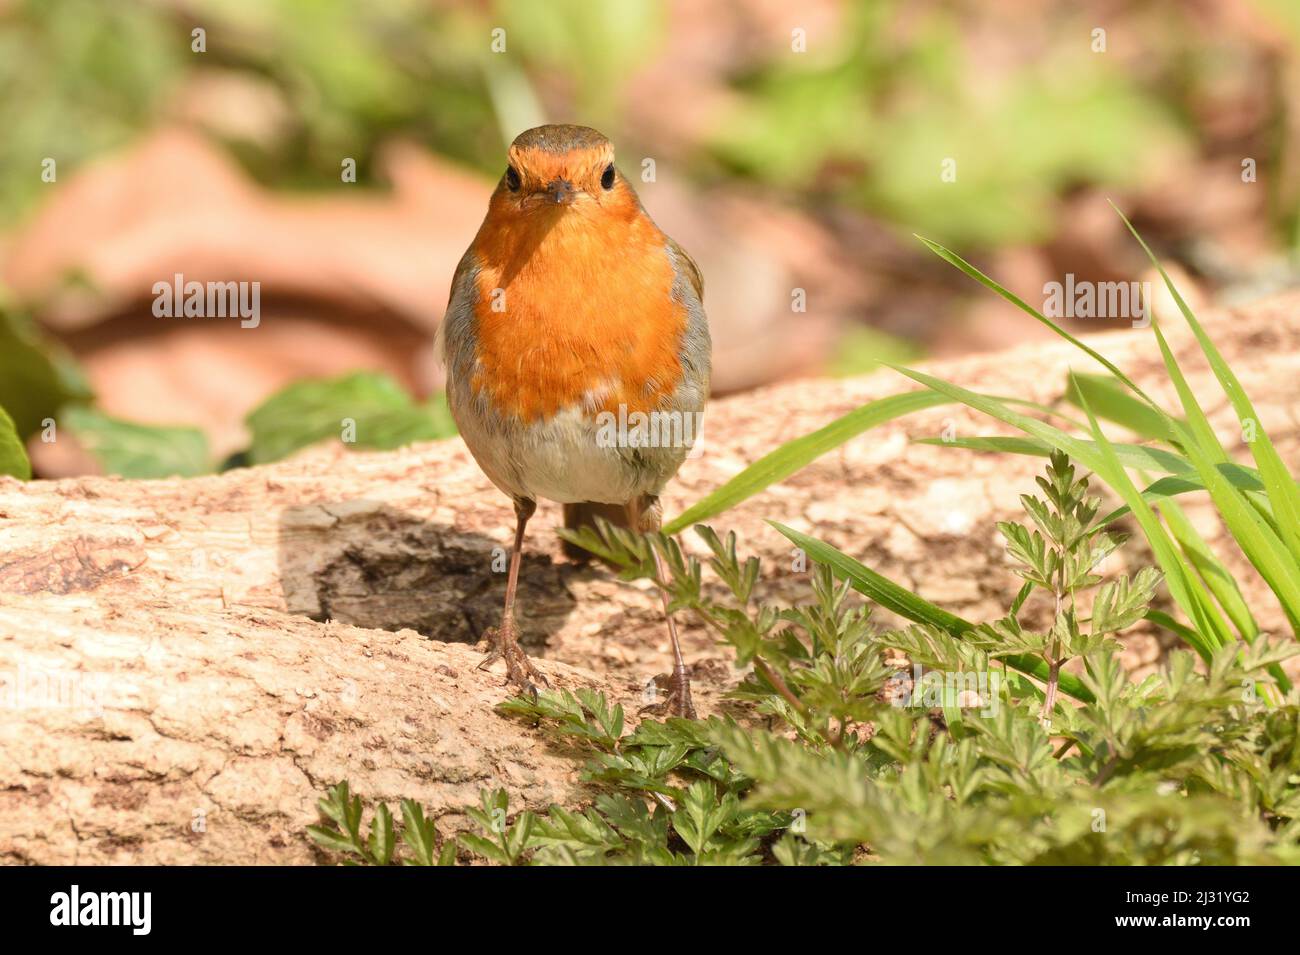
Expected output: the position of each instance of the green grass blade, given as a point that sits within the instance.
(1211, 629)
(794, 455)
(1218, 579)
(1258, 541)
(1184, 479)
(1197, 426)
(1187, 591)
(1086, 452)
(1044, 409)
(1133, 455)
(1283, 492)
(906, 604)
(1157, 491)
(1264, 508)
(876, 586)
(1181, 630)
(957, 261)
(1112, 403)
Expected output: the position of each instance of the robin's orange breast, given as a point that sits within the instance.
(574, 311)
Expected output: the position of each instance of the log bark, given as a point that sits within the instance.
(186, 664)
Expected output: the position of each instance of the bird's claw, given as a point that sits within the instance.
(677, 700)
(520, 672)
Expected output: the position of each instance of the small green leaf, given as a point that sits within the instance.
(418, 833)
(517, 836)
(331, 839)
(486, 848)
(138, 450)
(365, 408)
(1122, 602)
(37, 377)
(381, 836)
(700, 816)
(13, 456)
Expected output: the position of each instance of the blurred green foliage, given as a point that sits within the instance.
(863, 349)
(367, 409)
(363, 409)
(13, 456)
(79, 77)
(40, 384)
(863, 119)
(873, 122)
(597, 45)
(37, 377)
(138, 450)
(83, 76)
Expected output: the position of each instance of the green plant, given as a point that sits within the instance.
(954, 762)
(40, 383)
(1059, 555)
(973, 758)
(1061, 120)
(1259, 506)
(364, 409)
(37, 378)
(377, 844)
(136, 450)
(13, 456)
(371, 409)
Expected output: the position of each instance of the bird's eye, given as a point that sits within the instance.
(607, 177)
(512, 178)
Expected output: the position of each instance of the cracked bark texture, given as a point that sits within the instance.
(186, 664)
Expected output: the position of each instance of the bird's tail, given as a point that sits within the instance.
(578, 516)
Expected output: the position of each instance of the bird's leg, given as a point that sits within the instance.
(644, 516)
(504, 640)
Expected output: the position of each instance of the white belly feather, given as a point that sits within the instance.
(567, 458)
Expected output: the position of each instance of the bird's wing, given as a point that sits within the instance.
(460, 304)
(692, 270)
(463, 268)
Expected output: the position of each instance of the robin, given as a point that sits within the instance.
(569, 312)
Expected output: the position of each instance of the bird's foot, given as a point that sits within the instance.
(677, 700)
(520, 672)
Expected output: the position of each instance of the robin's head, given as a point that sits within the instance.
(553, 168)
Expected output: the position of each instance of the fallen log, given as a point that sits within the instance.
(186, 664)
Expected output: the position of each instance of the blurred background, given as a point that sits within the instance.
(341, 155)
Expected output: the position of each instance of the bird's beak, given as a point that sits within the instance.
(560, 191)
